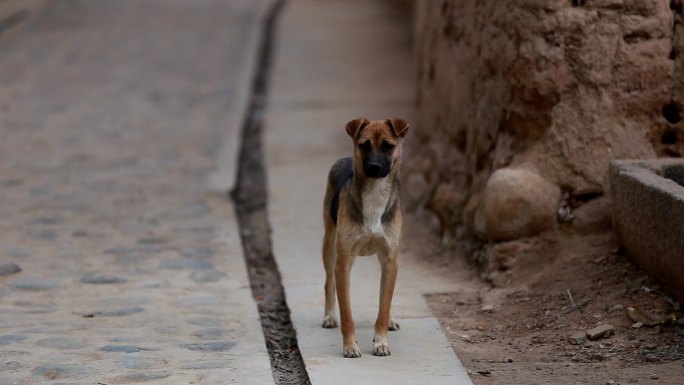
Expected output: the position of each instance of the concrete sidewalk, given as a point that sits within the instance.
(335, 61)
(120, 257)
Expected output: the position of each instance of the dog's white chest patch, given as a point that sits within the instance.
(375, 200)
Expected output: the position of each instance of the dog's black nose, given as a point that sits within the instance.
(373, 169)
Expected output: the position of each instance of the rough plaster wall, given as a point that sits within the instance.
(558, 86)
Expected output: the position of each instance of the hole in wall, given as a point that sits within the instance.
(673, 54)
(670, 112)
(669, 137)
(577, 3)
(676, 5)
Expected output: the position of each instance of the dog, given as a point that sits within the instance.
(362, 217)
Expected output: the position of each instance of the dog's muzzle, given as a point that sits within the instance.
(376, 169)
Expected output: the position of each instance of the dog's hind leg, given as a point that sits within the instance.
(329, 320)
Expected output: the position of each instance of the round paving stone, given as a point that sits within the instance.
(132, 361)
(204, 364)
(45, 221)
(151, 241)
(10, 339)
(211, 346)
(40, 234)
(62, 343)
(123, 348)
(211, 333)
(115, 312)
(127, 260)
(6, 182)
(140, 377)
(149, 284)
(102, 279)
(206, 321)
(186, 263)
(210, 275)
(33, 284)
(57, 372)
(118, 250)
(9, 365)
(200, 252)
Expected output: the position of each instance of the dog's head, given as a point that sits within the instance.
(377, 144)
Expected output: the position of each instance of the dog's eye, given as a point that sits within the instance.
(387, 146)
(365, 146)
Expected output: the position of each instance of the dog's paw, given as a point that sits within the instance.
(380, 347)
(329, 322)
(352, 351)
(393, 326)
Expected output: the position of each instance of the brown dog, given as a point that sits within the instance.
(362, 217)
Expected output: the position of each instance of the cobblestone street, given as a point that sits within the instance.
(120, 258)
(123, 126)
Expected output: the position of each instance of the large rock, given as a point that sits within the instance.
(516, 203)
(593, 217)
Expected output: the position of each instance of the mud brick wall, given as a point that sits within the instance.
(552, 88)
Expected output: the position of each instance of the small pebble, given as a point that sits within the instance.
(601, 331)
(653, 376)
(9, 268)
(577, 339)
(596, 357)
(651, 358)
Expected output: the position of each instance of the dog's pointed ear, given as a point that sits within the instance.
(398, 126)
(354, 126)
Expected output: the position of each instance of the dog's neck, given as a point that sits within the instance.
(374, 197)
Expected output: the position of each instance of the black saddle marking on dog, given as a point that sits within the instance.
(341, 175)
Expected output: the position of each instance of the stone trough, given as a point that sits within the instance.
(648, 216)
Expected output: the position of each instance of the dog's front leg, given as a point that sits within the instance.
(343, 266)
(389, 277)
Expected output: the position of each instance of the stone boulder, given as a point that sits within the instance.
(516, 203)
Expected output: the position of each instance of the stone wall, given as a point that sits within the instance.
(548, 90)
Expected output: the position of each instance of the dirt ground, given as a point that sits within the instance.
(512, 321)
